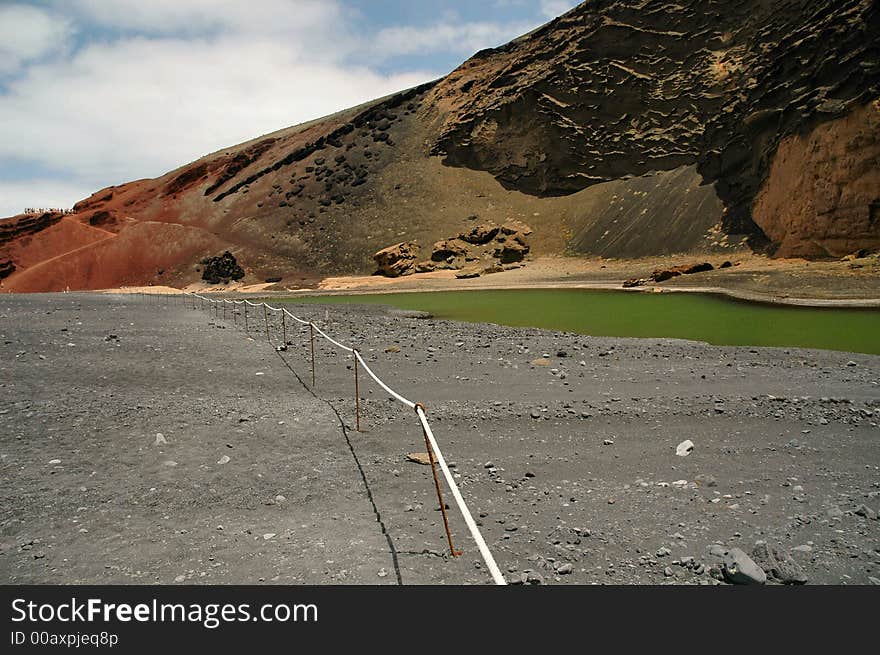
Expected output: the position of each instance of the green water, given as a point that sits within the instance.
(701, 317)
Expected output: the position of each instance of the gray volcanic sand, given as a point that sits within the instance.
(568, 463)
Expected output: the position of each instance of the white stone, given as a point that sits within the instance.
(684, 448)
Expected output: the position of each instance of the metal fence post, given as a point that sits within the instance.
(455, 553)
(357, 391)
(312, 339)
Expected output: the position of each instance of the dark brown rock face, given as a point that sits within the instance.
(618, 88)
(821, 197)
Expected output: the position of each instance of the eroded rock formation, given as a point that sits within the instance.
(624, 87)
(821, 197)
(398, 259)
(482, 249)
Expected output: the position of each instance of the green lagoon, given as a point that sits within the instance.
(701, 317)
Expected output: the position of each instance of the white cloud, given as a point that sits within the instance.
(140, 107)
(462, 38)
(169, 81)
(203, 15)
(15, 196)
(28, 33)
(554, 8)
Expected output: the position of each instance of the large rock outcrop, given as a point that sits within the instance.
(821, 197)
(398, 259)
(483, 248)
(621, 88)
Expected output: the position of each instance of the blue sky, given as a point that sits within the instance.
(101, 92)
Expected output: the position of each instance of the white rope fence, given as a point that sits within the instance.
(430, 440)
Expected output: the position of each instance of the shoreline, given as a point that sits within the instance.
(752, 278)
(735, 294)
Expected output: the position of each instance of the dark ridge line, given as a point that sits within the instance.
(331, 139)
(360, 468)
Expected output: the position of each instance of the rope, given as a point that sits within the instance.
(462, 506)
(497, 576)
(391, 391)
(296, 318)
(331, 339)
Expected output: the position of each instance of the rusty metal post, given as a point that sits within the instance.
(312, 339)
(455, 553)
(234, 314)
(266, 319)
(245, 316)
(357, 391)
(284, 327)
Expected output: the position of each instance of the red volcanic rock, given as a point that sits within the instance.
(663, 274)
(26, 225)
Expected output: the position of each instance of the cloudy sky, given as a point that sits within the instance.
(100, 92)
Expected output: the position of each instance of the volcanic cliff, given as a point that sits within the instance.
(624, 128)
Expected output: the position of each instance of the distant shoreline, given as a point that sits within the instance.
(868, 303)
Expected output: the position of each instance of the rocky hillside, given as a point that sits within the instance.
(624, 128)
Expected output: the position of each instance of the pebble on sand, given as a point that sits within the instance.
(685, 448)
